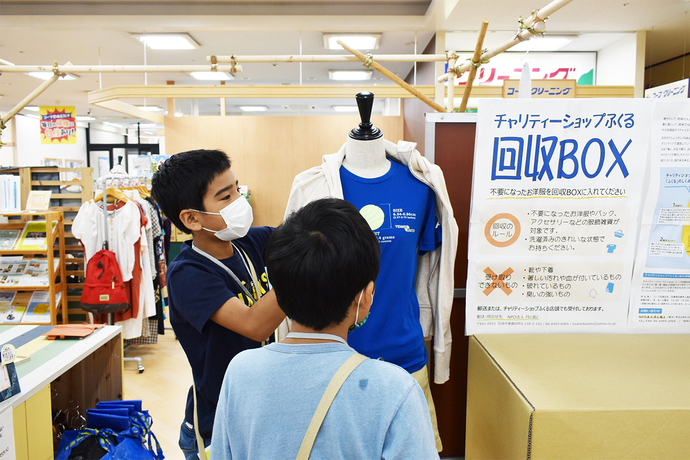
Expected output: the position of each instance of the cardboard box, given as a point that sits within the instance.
(578, 396)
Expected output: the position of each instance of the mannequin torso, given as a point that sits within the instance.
(366, 158)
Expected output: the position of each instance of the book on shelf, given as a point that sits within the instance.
(7, 239)
(10, 193)
(38, 310)
(13, 314)
(6, 298)
(13, 267)
(33, 236)
(36, 273)
(10, 280)
(38, 200)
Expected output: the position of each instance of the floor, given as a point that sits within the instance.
(162, 387)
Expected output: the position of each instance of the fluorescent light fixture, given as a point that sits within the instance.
(345, 108)
(145, 126)
(212, 76)
(47, 75)
(114, 125)
(180, 41)
(542, 43)
(84, 118)
(31, 108)
(253, 108)
(179, 114)
(356, 41)
(149, 108)
(349, 75)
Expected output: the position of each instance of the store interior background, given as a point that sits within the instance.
(638, 44)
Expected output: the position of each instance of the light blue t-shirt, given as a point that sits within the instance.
(401, 211)
(269, 396)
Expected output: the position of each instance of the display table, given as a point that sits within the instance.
(578, 396)
(60, 375)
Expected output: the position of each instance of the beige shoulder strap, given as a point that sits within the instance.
(199, 439)
(328, 396)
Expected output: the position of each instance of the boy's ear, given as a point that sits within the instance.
(188, 218)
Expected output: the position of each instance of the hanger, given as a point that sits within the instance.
(113, 192)
(143, 191)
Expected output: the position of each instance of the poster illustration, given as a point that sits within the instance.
(58, 125)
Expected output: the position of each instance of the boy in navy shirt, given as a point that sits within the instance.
(220, 303)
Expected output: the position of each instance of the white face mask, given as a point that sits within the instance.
(238, 217)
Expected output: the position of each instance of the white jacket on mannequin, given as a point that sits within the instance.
(434, 284)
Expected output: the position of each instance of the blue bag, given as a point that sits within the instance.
(116, 419)
(123, 432)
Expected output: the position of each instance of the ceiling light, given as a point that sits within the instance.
(149, 108)
(180, 41)
(212, 76)
(253, 108)
(47, 75)
(542, 43)
(349, 74)
(32, 108)
(114, 125)
(145, 125)
(179, 114)
(356, 41)
(84, 118)
(345, 108)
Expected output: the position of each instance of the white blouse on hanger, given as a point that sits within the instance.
(123, 233)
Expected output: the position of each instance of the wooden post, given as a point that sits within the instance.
(450, 105)
(171, 101)
(476, 62)
(393, 77)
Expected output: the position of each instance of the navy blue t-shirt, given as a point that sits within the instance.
(197, 288)
(401, 210)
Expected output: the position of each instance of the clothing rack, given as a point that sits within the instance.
(104, 188)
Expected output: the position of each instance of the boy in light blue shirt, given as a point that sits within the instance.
(322, 262)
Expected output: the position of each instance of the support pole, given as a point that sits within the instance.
(369, 62)
(326, 58)
(34, 94)
(452, 60)
(476, 62)
(531, 26)
(120, 68)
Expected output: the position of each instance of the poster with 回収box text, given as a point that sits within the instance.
(556, 196)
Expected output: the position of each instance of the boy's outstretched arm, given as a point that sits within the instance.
(256, 323)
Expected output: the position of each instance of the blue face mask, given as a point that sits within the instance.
(359, 324)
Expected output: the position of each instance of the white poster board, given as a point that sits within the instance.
(556, 194)
(660, 300)
(678, 89)
(7, 449)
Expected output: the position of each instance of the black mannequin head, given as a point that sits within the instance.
(365, 131)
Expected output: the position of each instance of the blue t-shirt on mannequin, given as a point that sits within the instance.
(401, 211)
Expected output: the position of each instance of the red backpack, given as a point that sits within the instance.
(104, 291)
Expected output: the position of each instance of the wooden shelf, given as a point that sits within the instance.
(44, 178)
(53, 236)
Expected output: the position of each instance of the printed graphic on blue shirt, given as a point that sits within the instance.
(401, 211)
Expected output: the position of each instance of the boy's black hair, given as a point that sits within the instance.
(319, 259)
(183, 179)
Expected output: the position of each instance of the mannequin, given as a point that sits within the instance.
(365, 151)
(400, 210)
(399, 196)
